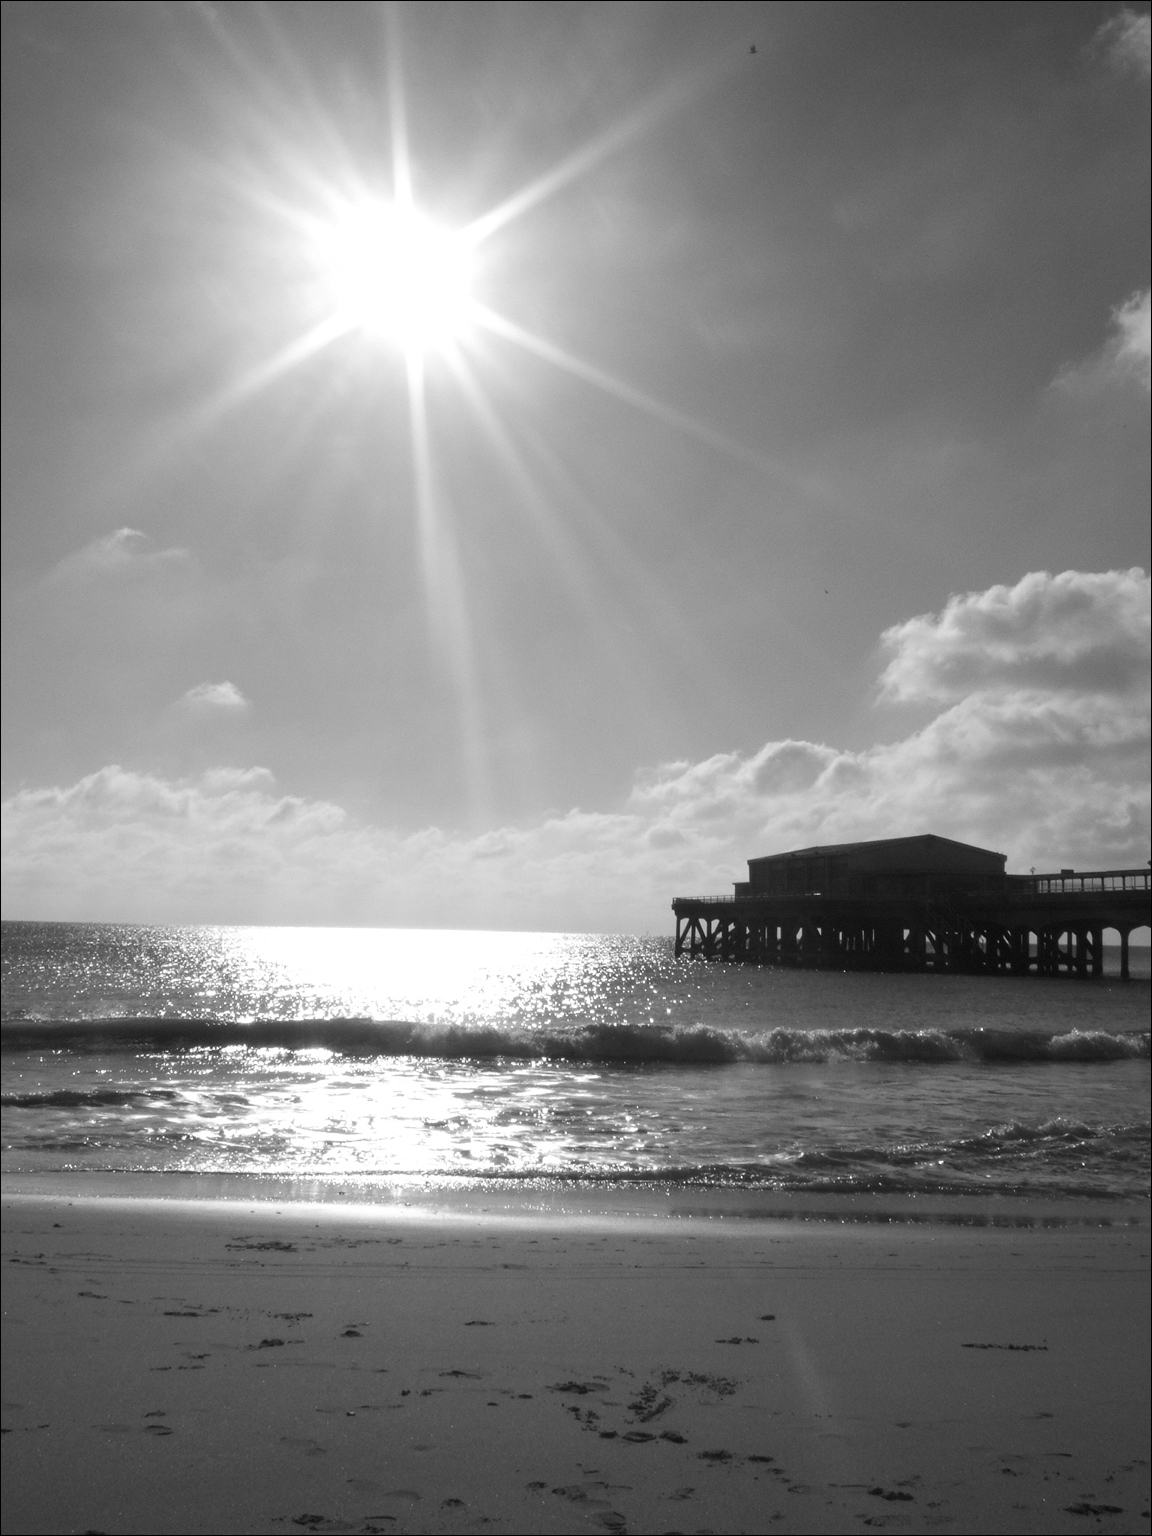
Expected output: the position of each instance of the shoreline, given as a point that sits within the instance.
(414, 1197)
(263, 1365)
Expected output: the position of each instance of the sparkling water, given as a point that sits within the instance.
(380, 1054)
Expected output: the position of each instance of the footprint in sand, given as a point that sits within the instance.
(367, 1489)
(303, 1446)
(589, 1496)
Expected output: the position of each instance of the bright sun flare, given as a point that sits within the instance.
(395, 273)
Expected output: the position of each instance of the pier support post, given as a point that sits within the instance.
(1020, 941)
(1082, 949)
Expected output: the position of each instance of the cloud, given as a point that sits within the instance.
(126, 551)
(1131, 345)
(1126, 41)
(213, 701)
(1126, 356)
(1077, 633)
(1038, 747)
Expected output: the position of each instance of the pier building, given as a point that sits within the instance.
(916, 904)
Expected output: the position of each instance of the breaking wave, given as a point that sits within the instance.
(95, 1098)
(621, 1043)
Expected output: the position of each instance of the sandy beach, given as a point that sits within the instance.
(221, 1366)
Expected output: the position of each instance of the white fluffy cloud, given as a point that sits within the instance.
(1131, 349)
(1039, 748)
(213, 701)
(1126, 356)
(1074, 634)
(1126, 40)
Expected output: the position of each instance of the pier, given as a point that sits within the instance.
(916, 904)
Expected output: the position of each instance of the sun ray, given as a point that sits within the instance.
(660, 105)
(261, 375)
(171, 435)
(621, 390)
(645, 595)
(679, 649)
(570, 560)
(445, 595)
(397, 109)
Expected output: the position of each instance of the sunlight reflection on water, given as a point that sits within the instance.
(852, 1086)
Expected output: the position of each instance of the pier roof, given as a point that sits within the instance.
(925, 852)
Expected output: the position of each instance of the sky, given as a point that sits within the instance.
(506, 465)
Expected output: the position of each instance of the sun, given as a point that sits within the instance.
(394, 273)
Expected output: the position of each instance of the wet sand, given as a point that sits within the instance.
(228, 1366)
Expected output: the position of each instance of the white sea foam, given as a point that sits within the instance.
(689, 1044)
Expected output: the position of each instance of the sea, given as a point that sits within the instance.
(330, 1061)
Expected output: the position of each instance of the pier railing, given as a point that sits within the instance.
(1065, 882)
(1069, 882)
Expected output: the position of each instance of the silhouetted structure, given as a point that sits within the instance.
(915, 904)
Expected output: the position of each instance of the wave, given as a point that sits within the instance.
(96, 1098)
(836, 1175)
(622, 1043)
(1054, 1142)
